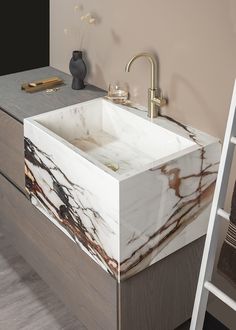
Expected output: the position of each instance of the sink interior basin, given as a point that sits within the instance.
(113, 136)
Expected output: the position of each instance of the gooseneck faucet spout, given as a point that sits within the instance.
(153, 100)
(153, 63)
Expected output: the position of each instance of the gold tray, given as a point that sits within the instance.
(39, 85)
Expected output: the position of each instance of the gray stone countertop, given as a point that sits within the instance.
(20, 104)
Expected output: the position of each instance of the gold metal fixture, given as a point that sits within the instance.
(153, 100)
(114, 167)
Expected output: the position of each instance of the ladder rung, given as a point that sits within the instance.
(233, 139)
(223, 214)
(221, 295)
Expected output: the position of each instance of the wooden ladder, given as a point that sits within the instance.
(217, 213)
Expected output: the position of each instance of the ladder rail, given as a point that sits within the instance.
(214, 225)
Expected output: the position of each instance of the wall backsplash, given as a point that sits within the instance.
(195, 42)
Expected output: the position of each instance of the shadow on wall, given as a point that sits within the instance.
(115, 37)
(179, 82)
(97, 74)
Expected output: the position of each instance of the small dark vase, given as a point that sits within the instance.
(78, 70)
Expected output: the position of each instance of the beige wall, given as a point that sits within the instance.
(195, 42)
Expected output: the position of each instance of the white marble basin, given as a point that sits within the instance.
(126, 189)
(113, 136)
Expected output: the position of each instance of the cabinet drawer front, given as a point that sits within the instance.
(12, 149)
(86, 289)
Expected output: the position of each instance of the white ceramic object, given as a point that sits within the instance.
(128, 190)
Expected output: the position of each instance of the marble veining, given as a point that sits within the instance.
(183, 199)
(156, 201)
(69, 204)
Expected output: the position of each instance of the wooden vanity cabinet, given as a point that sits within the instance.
(158, 298)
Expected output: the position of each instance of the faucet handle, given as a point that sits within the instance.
(160, 101)
(163, 102)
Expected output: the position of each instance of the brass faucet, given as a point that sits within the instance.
(153, 100)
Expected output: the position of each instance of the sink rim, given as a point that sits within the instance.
(99, 165)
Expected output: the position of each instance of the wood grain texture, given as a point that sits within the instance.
(11, 149)
(73, 276)
(26, 301)
(162, 296)
(20, 104)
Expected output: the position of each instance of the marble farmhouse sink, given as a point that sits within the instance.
(128, 190)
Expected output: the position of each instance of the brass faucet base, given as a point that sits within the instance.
(152, 108)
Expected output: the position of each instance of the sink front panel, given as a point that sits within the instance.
(166, 208)
(74, 194)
